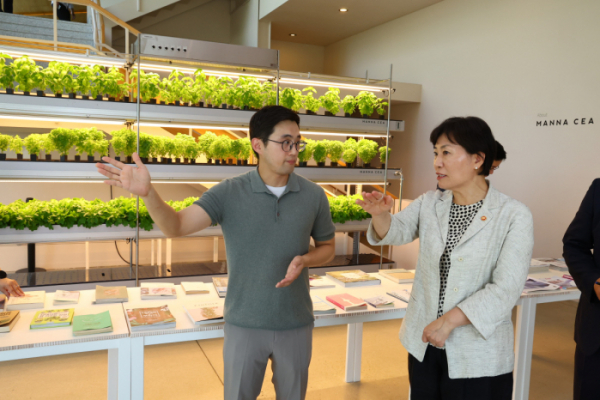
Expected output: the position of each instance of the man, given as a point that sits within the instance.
(583, 260)
(268, 216)
(500, 156)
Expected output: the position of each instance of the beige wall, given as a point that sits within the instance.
(300, 57)
(507, 61)
(244, 24)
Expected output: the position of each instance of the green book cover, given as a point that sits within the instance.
(52, 318)
(92, 322)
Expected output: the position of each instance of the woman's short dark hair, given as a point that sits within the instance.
(263, 122)
(500, 152)
(473, 134)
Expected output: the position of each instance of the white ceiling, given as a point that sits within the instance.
(319, 22)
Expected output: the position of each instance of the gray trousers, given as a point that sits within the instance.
(246, 353)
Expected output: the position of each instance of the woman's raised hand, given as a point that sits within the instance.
(134, 180)
(375, 203)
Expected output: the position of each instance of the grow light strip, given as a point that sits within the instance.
(101, 180)
(73, 120)
(165, 68)
(342, 134)
(63, 58)
(332, 84)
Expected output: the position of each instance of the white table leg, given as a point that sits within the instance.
(137, 368)
(119, 371)
(354, 352)
(524, 347)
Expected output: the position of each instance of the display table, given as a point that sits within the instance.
(23, 342)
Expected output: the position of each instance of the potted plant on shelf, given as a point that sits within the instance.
(236, 149)
(92, 141)
(183, 143)
(101, 147)
(291, 98)
(26, 74)
(245, 151)
(150, 85)
(204, 142)
(62, 140)
(110, 83)
(71, 85)
(4, 145)
(349, 156)
(349, 105)
(170, 150)
(16, 145)
(335, 149)
(175, 87)
(158, 148)
(33, 144)
(38, 79)
(86, 75)
(366, 102)
(188, 94)
(311, 105)
(331, 101)
(220, 148)
(146, 143)
(7, 74)
(269, 94)
(384, 153)
(124, 141)
(48, 146)
(305, 155)
(350, 144)
(125, 91)
(57, 75)
(367, 150)
(320, 152)
(211, 90)
(191, 150)
(80, 135)
(381, 108)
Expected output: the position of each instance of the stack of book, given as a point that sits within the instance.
(29, 301)
(111, 294)
(142, 319)
(398, 275)
(347, 302)
(220, 285)
(380, 302)
(92, 324)
(353, 278)
(65, 297)
(205, 313)
(195, 287)
(52, 319)
(319, 282)
(321, 307)
(153, 291)
(8, 319)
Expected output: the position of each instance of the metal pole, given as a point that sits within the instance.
(55, 18)
(137, 205)
(127, 43)
(277, 99)
(387, 144)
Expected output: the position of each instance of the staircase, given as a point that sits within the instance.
(43, 28)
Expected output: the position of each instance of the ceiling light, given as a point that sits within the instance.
(343, 10)
(292, 34)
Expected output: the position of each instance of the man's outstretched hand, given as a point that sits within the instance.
(134, 180)
(293, 272)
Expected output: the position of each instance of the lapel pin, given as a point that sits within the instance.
(483, 218)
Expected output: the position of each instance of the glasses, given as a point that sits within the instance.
(287, 145)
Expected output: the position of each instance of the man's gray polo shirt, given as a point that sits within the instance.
(263, 234)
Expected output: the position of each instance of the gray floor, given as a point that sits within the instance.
(194, 370)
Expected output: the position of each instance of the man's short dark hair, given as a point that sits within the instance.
(500, 152)
(263, 122)
(473, 134)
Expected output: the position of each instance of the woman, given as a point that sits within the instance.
(475, 252)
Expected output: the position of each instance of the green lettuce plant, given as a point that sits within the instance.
(331, 100)
(158, 147)
(269, 94)
(4, 142)
(58, 76)
(236, 148)
(33, 143)
(291, 98)
(89, 143)
(16, 145)
(249, 92)
(221, 147)
(150, 85)
(186, 146)
(26, 73)
(335, 149)
(384, 153)
(124, 141)
(198, 86)
(211, 90)
(86, 76)
(349, 104)
(7, 72)
(205, 142)
(47, 144)
(320, 151)
(366, 102)
(109, 82)
(310, 103)
(351, 143)
(349, 155)
(344, 209)
(381, 106)
(307, 153)
(62, 140)
(246, 149)
(170, 148)
(146, 143)
(367, 150)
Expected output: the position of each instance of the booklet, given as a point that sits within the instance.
(205, 313)
(535, 285)
(91, 324)
(353, 278)
(52, 318)
(63, 296)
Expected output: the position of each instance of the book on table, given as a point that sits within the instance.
(536, 285)
(141, 319)
(403, 294)
(353, 278)
(398, 275)
(111, 294)
(347, 302)
(380, 302)
(158, 292)
(52, 318)
(66, 297)
(320, 306)
(8, 319)
(564, 282)
(92, 324)
(205, 313)
(29, 301)
(220, 284)
(195, 287)
(319, 282)
(537, 265)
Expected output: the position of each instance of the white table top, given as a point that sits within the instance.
(21, 337)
